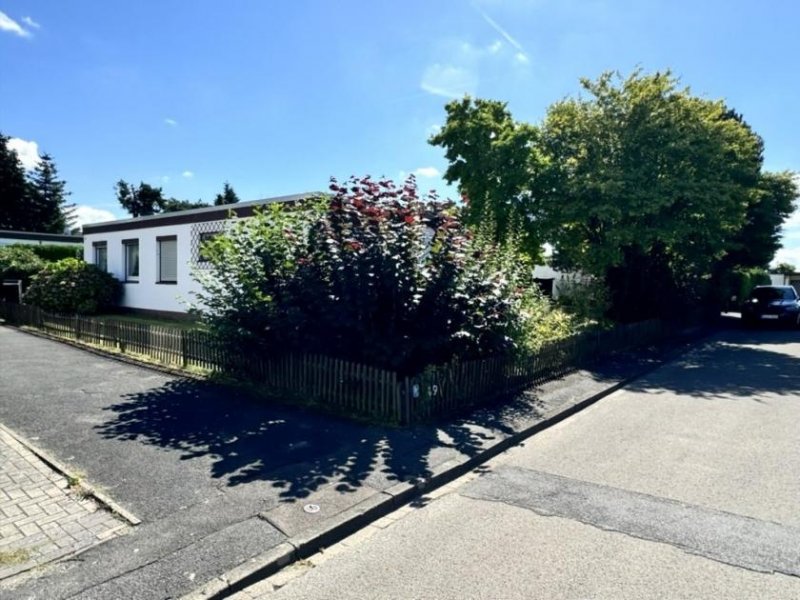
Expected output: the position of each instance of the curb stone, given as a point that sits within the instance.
(337, 527)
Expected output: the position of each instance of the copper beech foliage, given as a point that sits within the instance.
(373, 272)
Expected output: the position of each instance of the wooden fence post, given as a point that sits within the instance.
(407, 401)
(184, 352)
(118, 337)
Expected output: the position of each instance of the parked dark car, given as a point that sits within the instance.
(772, 304)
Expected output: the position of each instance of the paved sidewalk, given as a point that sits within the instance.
(42, 517)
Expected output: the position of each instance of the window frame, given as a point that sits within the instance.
(126, 245)
(96, 247)
(160, 240)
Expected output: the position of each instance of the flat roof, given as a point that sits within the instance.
(42, 237)
(193, 215)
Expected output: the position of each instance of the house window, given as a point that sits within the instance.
(167, 259)
(131, 248)
(101, 255)
(205, 236)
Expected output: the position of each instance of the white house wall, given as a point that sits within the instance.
(147, 293)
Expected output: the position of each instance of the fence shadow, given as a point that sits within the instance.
(297, 451)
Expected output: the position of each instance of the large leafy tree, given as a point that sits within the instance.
(139, 201)
(494, 160)
(638, 182)
(49, 198)
(228, 196)
(646, 166)
(650, 187)
(15, 197)
(771, 203)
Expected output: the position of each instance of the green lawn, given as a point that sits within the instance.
(146, 320)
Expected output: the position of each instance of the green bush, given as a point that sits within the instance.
(374, 274)
(19, 262)
(73, 286)
(735, 286)
(585, 298)
(56, 252)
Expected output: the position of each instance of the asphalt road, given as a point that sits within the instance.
(685, 484)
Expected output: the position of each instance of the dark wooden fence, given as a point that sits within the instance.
(338, 385)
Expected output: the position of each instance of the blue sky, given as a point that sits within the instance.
(276, 97)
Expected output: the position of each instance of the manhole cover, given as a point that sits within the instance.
(311, 508)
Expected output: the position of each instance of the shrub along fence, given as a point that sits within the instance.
(341, 386)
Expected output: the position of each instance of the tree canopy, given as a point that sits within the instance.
(785, 268)
(228, 196)
(638, 182)
(493, 159)
(175, 205)
(771, 202)
(49, 198)
(34, 201)
(139, 201)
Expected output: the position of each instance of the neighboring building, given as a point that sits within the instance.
(553, 282)
(781, 279)
(154, 256)
(27, 237)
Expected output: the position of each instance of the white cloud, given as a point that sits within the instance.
(188, 174)
(427, 172)
(449, 81)
(507, 36)
(165, 179)
(522, 58)
(30, 22)
(28, 152)
(88, 214)
(495, 47)
(171, 122)
(10, 25)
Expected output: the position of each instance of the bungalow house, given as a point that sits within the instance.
(154, 256)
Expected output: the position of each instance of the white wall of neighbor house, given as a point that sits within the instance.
(777, 279)
(148, 292)
(560, 278)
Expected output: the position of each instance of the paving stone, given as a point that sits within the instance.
(40, 515)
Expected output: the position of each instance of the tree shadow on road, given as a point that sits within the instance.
(297, 450)
(738, 363)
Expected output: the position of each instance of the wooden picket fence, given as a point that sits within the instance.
(337, 385)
